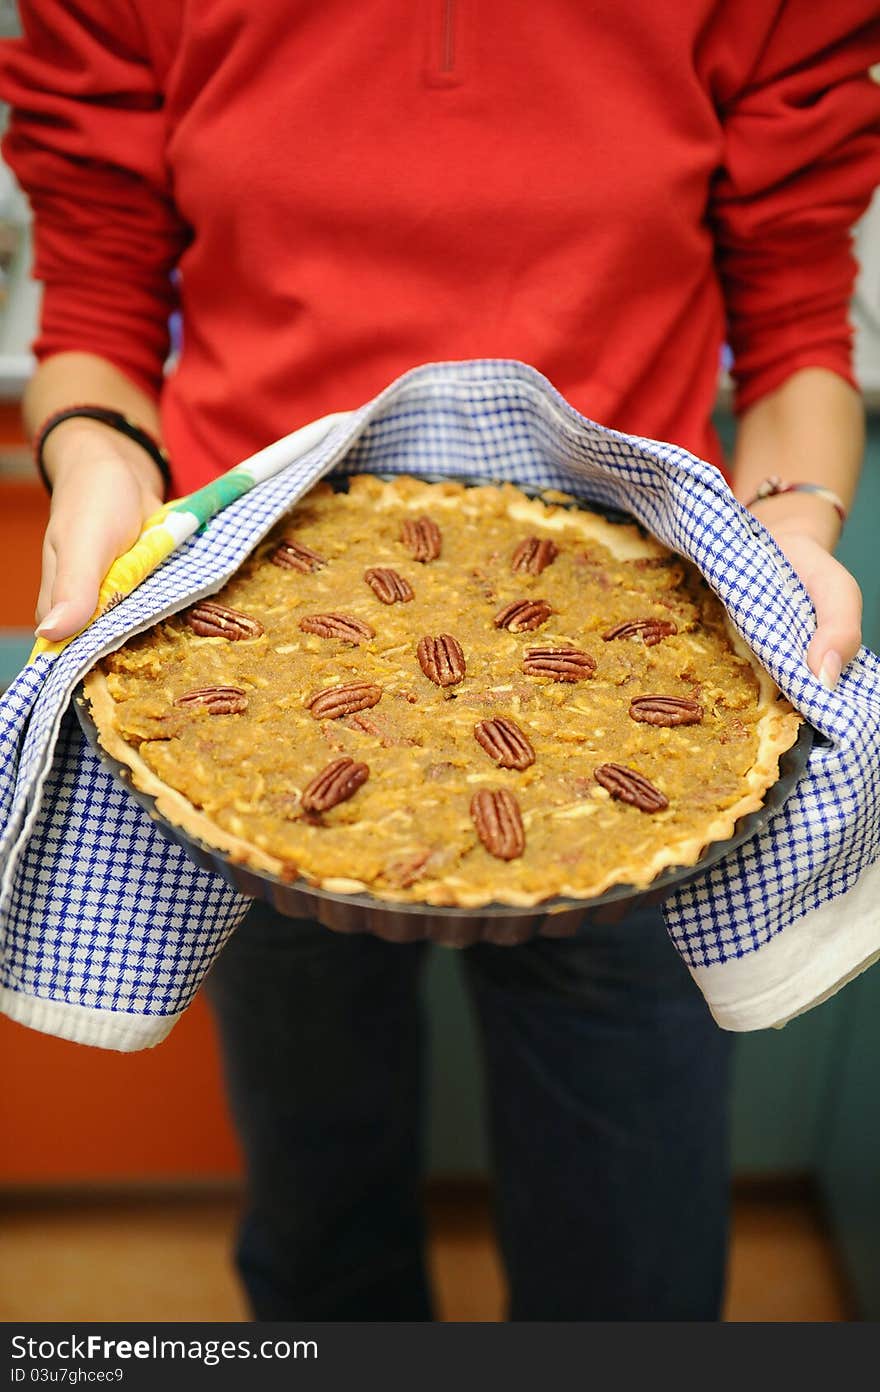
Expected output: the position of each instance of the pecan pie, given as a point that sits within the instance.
(449, 695)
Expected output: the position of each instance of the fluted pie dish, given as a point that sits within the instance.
(442, 701)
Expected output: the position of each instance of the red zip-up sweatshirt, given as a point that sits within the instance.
(606, 189)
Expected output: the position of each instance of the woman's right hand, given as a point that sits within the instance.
(104, 487)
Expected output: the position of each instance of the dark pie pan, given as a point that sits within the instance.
(502, 924)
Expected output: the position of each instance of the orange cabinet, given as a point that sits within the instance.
(69, 1113)
(24, 511)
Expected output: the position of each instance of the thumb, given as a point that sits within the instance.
(83, 549)
(837, 600)
(74, 593)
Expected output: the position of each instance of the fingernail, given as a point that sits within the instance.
(53, 617)
(830, 670)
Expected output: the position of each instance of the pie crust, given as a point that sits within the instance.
(409, 830)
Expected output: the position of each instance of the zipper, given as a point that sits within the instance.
(447, 37)
(443, 21)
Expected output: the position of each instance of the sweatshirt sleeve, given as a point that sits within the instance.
(801, 158)
(86, 140)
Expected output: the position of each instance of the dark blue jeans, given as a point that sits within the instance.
(607, 1082)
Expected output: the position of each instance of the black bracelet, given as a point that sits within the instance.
(117, 421)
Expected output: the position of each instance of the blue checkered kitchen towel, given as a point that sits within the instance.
(107, 927)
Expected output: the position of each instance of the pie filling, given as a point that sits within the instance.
(449, 695)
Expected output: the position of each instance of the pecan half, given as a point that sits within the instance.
(497, 818)
(665, 710)
(628, 786)
(523, 614)
(422, 538)
(334, 784)
(375, 729)
(504, 742)
(650, 630)
(211, 620)
(216, 700)
(344, 626)
(404, 869)
(335, 701)
(441, 659)
(292, 555)
(562, 664)
(388, 586)
(534, 555)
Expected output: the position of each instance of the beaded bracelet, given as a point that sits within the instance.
(117, 421)
(774, 486)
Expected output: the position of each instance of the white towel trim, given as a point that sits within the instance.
(103, 1029)
(791, 972)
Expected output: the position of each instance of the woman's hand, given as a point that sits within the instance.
(805, 529)
(104, 487)
(837, 600)
(811, 429)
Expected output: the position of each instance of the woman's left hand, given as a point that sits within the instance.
(836, 598)
(811, 428)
